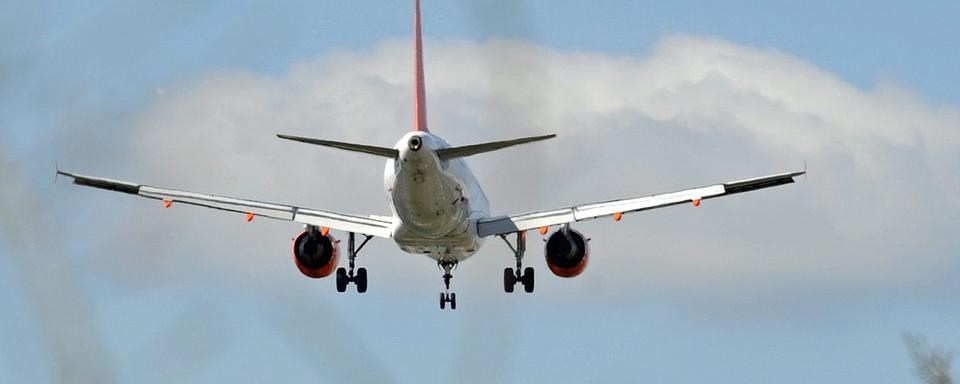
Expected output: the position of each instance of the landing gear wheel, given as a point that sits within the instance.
(358, 277)
(448, 298)
(527, 279)
(509, 280)
(513, 276)
(342, 280)
(361, 280)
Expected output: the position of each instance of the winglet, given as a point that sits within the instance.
(56, 176)
(420, 100)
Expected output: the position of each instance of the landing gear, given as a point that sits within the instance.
(358, 277)
(446, 296)
(511, 277)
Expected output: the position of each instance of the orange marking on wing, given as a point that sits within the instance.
(325, 231)
(696, 202)
(618, 216)
(167, 203)
(249, 217)
(543, 230)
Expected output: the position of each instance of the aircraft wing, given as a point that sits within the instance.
(368, 225)
(516, 223)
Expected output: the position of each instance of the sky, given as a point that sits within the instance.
(811, 282)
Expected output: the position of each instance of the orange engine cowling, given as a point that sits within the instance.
(316, 255)
(567, 253)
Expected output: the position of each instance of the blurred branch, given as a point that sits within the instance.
(932, 365)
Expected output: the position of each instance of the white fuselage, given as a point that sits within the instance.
(436, 203)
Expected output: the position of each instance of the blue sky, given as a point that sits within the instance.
(811, 283)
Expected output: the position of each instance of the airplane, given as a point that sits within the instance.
(438, 208)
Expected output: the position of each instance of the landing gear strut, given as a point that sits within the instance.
(446, 296)
(511, 277)
(345, 277)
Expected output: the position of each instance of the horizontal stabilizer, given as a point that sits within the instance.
(469, 150)
(369, 149)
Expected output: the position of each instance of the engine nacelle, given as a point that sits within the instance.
(316, 255)
(567, 253)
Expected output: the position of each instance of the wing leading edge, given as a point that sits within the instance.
(369, 225)
(515, 223)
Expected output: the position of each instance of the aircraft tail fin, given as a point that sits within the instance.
(368, 149)
(469, 150)
(420, 100)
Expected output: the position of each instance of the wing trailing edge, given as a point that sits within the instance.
(523, 222)
(380, 226)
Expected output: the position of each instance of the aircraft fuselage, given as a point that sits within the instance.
(436, 203)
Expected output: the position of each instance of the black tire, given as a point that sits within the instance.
(528, 278)
(361, 280)
(453, 301)
(342, 280)
(509, 280)
(443, 301)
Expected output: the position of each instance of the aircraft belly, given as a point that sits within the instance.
(457, 246)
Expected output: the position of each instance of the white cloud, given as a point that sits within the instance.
(877, 211)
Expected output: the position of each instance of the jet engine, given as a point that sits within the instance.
(567, 253)
(316, 254)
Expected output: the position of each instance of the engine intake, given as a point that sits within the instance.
(567, 253)
(316, 255)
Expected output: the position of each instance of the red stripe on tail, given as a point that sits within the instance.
(420, 115)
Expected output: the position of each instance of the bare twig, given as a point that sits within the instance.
(932, 365)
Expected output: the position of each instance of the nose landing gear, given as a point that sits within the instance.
(511, 277)
(446, 296)
(345, 277)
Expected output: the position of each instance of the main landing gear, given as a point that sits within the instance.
(360, 277)
(511, 278)
(446, 296)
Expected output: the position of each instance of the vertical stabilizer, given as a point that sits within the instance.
(420, 104)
